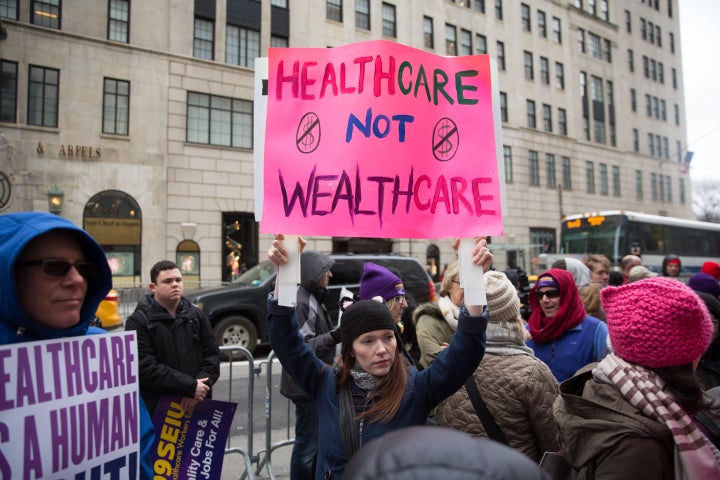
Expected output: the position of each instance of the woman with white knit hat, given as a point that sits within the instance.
(631, 416)
(517, 387)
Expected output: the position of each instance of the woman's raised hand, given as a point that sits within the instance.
(480, 255)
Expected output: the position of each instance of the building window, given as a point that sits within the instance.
(633, 100)
(116, 106)
(8, 91)
(544, 71)
(631, 60)
(243, 46)
(279, 42)
(334, 10)
(544, 237)
(590, 177)
(529, 73)
(681, 188)
(362, 14)
(654, 187)
(562, 121)
(9, 9)
(567, 173)
(279, 3)
(581, 40)
(389, 20)
(542, 23)
(672, 43)
(501, 55)
(560, 75)
(668, 188)
(616, 181)
(550, 170)
(531, 122)
(594, 45)
(534, 168)
(480, 44)
(498, 9)
(507, 157)
(628, 21)
(204, 40)
(45, 13)
(638, 184)
(596, 88)
(547, 118)
(450, 39)
(43, 88)
(525, 16)
(465, 42)
(503, 107)
(603, 179)
(636, 140)
(428, 32)
(607, 51)
(557, 32)
(215, 120)
(119, 20)
(479, 5)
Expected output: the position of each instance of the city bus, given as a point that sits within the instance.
(616, 233)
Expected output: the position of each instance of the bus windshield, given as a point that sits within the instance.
(591, 235)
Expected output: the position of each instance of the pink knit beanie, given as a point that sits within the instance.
(656, 322)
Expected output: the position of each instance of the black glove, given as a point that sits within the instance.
(335, 334)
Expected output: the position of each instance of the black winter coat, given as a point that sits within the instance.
(173, 351)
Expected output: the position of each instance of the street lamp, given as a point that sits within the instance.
(56, 198)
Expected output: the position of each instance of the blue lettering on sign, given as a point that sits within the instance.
(380, 127)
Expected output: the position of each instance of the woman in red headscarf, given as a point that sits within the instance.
(563, 335)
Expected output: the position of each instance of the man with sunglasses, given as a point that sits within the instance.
(53, 276)
(176, 345)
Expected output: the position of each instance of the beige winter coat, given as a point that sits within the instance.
(519, 391)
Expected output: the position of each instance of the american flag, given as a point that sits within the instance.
(685, 167)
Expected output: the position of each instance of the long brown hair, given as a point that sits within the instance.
(388, 394)
(685, 388)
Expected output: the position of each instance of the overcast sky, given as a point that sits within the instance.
(700, 43)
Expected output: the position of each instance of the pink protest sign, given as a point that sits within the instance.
(377, 139)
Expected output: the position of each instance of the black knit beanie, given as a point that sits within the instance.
(363, 317)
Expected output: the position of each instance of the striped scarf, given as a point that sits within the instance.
(696, 458)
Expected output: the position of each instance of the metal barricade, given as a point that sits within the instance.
(255, 462)
(270, 447)
(247, 454)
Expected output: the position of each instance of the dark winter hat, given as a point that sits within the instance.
(362, 317)
(712, 303)
(379, 281)
(702, 282)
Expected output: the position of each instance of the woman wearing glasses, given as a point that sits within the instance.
(563, 335)
(381, 284)
(436, 322)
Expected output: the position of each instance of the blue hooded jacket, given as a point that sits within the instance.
(16, 231)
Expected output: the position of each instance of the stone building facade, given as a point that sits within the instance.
(141, 114)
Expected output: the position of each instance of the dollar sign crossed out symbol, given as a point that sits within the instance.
(307, 137)
(445, 132)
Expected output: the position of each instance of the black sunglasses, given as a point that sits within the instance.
(554, 293)
(60, 268)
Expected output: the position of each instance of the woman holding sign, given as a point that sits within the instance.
(371, 390)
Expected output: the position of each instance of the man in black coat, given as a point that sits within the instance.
(177, 351)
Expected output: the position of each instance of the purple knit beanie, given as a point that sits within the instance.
(702, 282)
(656, 322)
(379, 281)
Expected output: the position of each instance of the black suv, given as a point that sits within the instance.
(237, 312)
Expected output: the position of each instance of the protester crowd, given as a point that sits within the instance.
(610, 376)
